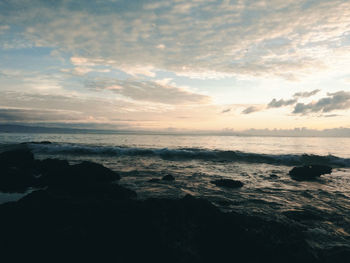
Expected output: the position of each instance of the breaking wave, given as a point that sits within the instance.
(183, 154)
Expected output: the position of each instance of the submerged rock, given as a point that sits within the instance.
(227, 183)
(309, 172)
(168, 177)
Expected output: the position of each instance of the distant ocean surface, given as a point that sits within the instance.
(261, 163)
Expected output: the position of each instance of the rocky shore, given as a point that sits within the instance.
(80, 212)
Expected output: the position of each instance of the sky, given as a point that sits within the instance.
(176, 65)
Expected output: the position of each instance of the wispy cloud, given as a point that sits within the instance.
(251, 109)
(239, 37)
(280, 103)
(306, 94)
(149, 91)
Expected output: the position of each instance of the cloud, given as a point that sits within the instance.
(306, 94)
(335, 101)
(149, 91)
(280, 103)
(288, 39)
(251, 109)
(330, 115)
(4, 28)
(226, 110)
(35, 115)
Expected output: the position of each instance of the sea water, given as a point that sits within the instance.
(261, 163)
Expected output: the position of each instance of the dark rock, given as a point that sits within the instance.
(54, 172)
(14, 180)
(227, 183)
(20, 158)
(17, 170)
(168, 177)
(83, 216)
(309, 172)
(337, 254)
(58, 174)
(273, 176)
(154, 180)
(52, 166)
(302, 215)
(94, 172)
(42, 142)
(101, 191)
(154, 230)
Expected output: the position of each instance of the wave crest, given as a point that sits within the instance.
(190, 154)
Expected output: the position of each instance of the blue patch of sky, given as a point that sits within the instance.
(31, 59)
(106, 7)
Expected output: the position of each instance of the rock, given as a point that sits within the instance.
(168, 177)
(154, 180)
(42, 142)
(20, 158)
(58, 174)
(227, 183)
(17, 171)
(54, 172)
(153, 230)
(302, 215)
(309, 172)
(52, 166)
(94, 172)
(114, 192)
(14, 180)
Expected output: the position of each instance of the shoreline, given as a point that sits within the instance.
(81, 212)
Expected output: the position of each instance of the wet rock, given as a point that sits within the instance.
(154, 180)
(51, 167)
(168, 177)
(42, 142)
(309, 172)
(336, 254)
(58, 174)
(302, 215)
(227, 183)
(17, 169)
(273, 176)
(154, 230)
(94, 172)
(20, 158)
(14, 180)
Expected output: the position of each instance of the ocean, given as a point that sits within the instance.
(261, 163)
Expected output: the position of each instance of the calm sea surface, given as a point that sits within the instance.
(261, 163)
